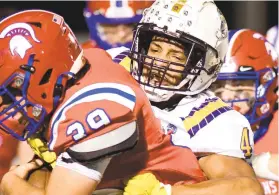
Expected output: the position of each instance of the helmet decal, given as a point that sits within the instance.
(18, 42)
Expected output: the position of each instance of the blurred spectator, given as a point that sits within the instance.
(111, 23)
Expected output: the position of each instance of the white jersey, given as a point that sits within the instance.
(272, 37)
(203, 123)
(207, 125)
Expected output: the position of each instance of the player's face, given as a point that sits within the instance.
(238, 94)
(173, 52)
(118, 33)
(14, 120)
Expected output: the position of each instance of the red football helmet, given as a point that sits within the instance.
(250, 73)
(37, 52)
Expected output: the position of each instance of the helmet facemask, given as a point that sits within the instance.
(162, 77)
(35, 69)
(247, 91)
(19, 116)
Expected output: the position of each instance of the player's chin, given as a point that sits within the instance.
(39, 178)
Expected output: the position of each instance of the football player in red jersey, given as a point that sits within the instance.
(111, 22)
(52, 92)
(249, 82)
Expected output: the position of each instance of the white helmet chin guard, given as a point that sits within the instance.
(200, 27)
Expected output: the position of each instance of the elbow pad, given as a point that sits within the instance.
(260, 166)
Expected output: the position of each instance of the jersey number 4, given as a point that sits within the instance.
(95, 120)
(245, 145)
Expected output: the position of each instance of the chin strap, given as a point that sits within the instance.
(59, 88)
(29, 69)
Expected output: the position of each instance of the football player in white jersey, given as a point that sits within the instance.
(177, 52)
(272, 37)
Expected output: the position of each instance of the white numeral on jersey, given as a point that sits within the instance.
(97, 119)
(77, 131)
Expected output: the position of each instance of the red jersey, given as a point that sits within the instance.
(97, 119)
(89, 44)
(269, 143)
(8, 149)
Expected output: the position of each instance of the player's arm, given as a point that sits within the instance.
(229, 186)
(108, 123)
(265, 165)
(227, 175)
(229, 181)
(83, 165)
(14, 182)
(109, 128)
(73, 182)
(73, 174)
(227, 170)
(61, 182)
(273, 164)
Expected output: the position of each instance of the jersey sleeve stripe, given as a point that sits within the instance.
(117, 59)
(203, 115)
(95, 93)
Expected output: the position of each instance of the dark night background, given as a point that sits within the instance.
(72, 11)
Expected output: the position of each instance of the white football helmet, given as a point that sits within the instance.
(196, 24)
(272, 37)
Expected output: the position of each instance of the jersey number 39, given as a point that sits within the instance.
(95, 120)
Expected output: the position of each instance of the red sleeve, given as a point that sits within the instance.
(89, 44)
(269, 142)
(8, 151)
(87, 120)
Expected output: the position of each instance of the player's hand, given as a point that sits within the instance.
(16, 172)
(39, 178)
(40, 148)
(23, 170)
(145, 184)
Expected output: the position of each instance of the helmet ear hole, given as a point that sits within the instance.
(46, 77)
(37, 24)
